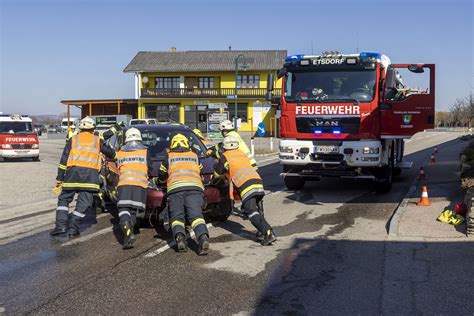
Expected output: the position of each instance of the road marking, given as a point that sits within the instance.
(88, 237)
(169, 245)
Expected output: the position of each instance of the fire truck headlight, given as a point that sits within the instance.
(286, 149)
(35, 146)
(304, 62)
(6, 146)
(371, 150)
(351, 61)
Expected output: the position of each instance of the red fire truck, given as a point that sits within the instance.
(348, 115)
(17, 137)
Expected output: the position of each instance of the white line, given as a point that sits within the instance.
(88, 237)
(169, 245)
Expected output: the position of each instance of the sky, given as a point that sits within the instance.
(53, 50)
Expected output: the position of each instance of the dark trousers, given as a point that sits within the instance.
(250, 208)
(83, 202)
(187, 205)
(127, 214)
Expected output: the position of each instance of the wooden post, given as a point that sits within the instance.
(118, 107)
(68, 116)
(90, 108)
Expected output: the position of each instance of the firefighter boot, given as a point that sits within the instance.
(57, 231)
(128, 236)
(61, 221)
(203, 245)
(181, 242)
(269, 238)
(74, 223)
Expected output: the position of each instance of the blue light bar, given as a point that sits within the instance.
(318, 132)
(336, 131)
(369, 54)
(294, 57)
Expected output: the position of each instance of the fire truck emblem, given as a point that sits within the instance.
(407, 119)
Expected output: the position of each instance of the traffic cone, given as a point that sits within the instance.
(421, 175)
(433, 158)
(424, 198)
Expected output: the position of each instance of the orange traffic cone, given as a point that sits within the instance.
(433, 158)
(421, 175)
(424, 198)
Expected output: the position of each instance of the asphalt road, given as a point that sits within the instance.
(333, 256)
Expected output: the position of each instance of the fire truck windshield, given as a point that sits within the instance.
(16, 128)
(330, 86)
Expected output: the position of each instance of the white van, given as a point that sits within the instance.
(73, 121)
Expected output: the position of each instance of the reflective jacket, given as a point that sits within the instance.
(182, 171)
(85, 151)
(80, 161)
(217, 150)
(244, 180)
(133, 167)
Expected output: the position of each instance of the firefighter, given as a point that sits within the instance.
(181, 171)
(227, 129)
(78, 172)
(201, 137)
(134, 163)
(245, 184)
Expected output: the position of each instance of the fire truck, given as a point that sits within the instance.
(347, 116)
(17, 137)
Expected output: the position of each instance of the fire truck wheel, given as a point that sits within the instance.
(383, 179)
(37, 158)
(294, 183)
(397, 171)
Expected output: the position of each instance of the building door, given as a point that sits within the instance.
(195, 116)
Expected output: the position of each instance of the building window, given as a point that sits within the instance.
(241, 111)
(163, 112)
(167, 82)
(206, 82)
(248, 81)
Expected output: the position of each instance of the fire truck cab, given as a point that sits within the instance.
(347, 115)
(17, 137)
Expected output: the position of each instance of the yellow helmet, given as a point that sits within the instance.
(198, 133)
(179, 140)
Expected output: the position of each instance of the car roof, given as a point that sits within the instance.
(172, 127)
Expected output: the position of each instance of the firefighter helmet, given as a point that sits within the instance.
(230, 142)
(87, 123)
(179, 140)
(198, 133)
(133, 134)
(226, 125)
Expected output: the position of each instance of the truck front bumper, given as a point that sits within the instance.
(19, 153)
(331, 154)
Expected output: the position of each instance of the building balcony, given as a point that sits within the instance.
(221, 93)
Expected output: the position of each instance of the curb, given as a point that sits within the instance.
(267, 155)
(400, 211)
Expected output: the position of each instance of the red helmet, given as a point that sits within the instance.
(460, 209)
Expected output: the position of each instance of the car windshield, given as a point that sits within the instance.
(330, 86)
(136, 122)
(16, 127)
(158, 140)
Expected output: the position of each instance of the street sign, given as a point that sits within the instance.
(217, 106)
(213, 122)
(261, 129)
(231, 96)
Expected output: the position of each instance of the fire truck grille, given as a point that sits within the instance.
(344, 125)
(22, 146)
(328, 157)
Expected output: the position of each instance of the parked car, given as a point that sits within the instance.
(218, 205)
(143, 121)
(54, 128)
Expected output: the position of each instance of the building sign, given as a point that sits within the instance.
(217, 106)
(201, 102)
(213, 121)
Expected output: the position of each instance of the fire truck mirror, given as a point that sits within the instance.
(416, 69)
(270, 81)
(281, 73)
(390, 83)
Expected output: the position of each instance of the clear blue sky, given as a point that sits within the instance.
(59, 49)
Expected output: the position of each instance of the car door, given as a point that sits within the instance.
(407, 110)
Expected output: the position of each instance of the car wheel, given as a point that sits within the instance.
(222, 211)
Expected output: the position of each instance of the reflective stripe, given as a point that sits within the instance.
(62, 167)
(82, 159)
(183, 158)
(249, 191)
(197, 221)
(81, 215)
(177, 223)
(132, 179)
(124, 213)
(80, 185)
(62, 208)
(131, 159)
(130, 202)
(254, 214)
(184, 183)
(186, 173)
(138, 173)
(241, 171)
(93, 148)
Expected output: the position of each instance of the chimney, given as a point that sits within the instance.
(172, 49)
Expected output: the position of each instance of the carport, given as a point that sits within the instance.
(103, 107)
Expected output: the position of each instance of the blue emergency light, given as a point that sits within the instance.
(370, 54)
(294, 58)
(318, 132)
(336, 131)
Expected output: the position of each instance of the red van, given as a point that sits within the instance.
(17, 137)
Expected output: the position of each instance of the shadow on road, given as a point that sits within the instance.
(349, 277)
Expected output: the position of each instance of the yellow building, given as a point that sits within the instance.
(188, 86)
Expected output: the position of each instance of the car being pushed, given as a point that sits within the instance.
(217, 204)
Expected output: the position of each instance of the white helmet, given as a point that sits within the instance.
(133, 134)
(87, 123)
(226, 125)
(230, 142)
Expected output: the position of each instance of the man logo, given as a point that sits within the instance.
(407, 119)
(327, 123)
